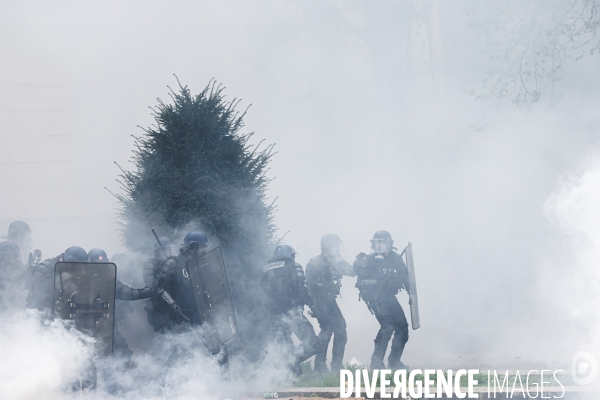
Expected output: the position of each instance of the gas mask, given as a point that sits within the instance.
(381, 247)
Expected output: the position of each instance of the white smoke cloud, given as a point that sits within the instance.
(575, 210)
(348, 162)
(39, 358)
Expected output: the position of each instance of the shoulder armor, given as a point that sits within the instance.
(45, 267)
(316, 261)
(299, 270)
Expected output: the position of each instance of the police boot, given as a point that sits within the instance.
(381, 342)
(394, 362)
(398, 343)
(336, 360)
(377, 357)
(397, 365)
(337, 353)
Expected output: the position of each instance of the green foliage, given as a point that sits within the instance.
(194, 169)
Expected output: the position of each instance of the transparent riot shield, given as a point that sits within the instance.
(85, 294)
(412, 288)
(212, 294)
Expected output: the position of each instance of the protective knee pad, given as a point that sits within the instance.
(384, 334)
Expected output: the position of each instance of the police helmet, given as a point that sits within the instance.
(284, 251)
(193, 239)
(97, 256)
(17, 230)
(329, 241)
(382, 242)
(75, 254)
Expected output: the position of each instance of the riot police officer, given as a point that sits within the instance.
(381, 275)
(324, 279)
(175, 289)
(156, 309)
(10, 268)
(287, 294)
(20, 233)
(41, 293)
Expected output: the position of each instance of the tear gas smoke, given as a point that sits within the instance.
(375, 128)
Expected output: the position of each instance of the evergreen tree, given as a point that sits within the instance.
(194, 169)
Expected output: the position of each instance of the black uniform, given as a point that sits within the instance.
(11, 271)
(380, 277)
(41, 293)
(324, 280)
(174, 278)
(156, 310)
(287, 294)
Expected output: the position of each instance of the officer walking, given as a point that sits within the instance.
(20, 233)
(324, 280)
(287, 294)
(381, 275)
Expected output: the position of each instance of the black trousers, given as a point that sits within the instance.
(332, 323)
(392, 321)
(294, 321)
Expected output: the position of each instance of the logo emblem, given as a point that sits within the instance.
(185, 273)
(584, 369)
(277, 264)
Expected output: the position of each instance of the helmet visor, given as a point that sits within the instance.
(335, 249)
(170, 250)
(381, 246)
